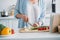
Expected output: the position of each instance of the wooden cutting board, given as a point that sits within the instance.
(31, 31)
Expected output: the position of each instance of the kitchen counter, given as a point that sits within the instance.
(1, 18)
(33, 36)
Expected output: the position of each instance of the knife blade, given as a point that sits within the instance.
(30, 24)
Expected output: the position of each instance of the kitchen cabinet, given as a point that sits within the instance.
(9, 22)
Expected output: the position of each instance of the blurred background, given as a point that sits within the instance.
(9, 5)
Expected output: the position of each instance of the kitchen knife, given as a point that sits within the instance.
(30, 24)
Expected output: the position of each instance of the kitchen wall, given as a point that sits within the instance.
(57, 6)
(4, 4)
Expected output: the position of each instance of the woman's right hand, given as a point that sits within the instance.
(25, 18)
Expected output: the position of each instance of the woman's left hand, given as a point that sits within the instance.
(35, 25)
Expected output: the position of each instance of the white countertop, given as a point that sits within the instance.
(42, 35)
(10, 17)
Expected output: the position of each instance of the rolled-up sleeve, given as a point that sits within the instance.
(16, 11)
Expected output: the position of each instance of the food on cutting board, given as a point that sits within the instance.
(35, 25)
(40, 28)
(46, 28)
(35, 29)
(4, 30)
(27, 30)
(24, 29)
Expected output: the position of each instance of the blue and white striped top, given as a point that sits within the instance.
(21, 8)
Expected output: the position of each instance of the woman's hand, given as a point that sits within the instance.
(35, 25)
(25, 18)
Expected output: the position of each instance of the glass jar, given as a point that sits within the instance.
(11, 10)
